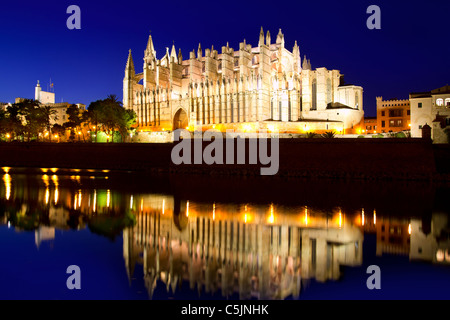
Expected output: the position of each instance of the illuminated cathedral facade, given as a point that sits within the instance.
(266, 87)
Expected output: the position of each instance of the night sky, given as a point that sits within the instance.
(410, 53)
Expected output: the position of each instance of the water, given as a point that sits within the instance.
(190, 237)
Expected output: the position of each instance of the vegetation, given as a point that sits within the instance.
(311, 135)
(31, 121)
(328, 134)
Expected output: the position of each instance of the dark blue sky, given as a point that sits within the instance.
(410, 52)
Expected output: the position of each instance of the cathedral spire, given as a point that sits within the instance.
(180, 56)
(280, 38)
(305, 64)
(268, 38)
(199, 51)
(261, 37)
(130, 65)
(173, 54)
(150, 50)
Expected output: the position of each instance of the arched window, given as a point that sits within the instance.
(314, 95)
(440, 102)
(447, 102)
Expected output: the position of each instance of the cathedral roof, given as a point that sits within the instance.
(338, 105)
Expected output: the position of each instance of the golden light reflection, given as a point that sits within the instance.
(374, 217)
(187, 208)
(108, 198)
(131, 202)
(75, 202)
(409, 228)
(56, 196)
(214, 211)
(56, 183)
(340, 219)
(306, 215)
(271, 217)
(6, 169)
(94, 205)
(47, 195)
(163, 205)
(362, 217)
(46, 180)
(79, 198)
(142, 204)
(7, 180)
(54, 170)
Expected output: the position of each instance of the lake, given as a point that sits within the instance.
(199, 237)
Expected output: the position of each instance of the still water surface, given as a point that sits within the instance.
(137, 237)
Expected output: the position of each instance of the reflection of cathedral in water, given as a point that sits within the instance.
(256, 251)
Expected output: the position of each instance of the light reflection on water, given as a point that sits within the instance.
(258, 250)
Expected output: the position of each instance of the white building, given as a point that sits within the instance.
(432, 108)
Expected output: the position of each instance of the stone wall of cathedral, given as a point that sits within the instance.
(247, 86)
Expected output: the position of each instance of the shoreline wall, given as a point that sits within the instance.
(408, 159)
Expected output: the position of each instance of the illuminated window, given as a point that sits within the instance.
(447, 102)
(440, 102)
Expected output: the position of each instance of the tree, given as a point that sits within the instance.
(75, 121)
(109, 116)
(329, 134)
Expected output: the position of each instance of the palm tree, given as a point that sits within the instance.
(329, 134)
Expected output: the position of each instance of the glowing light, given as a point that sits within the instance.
(8, 135)
(374, 217)
(440, 255)
(142, 204)
(187, 208)
(163, 205)
(271, 217)
(79, 133)
(56, 136)
(375, 131)
(7, 180)
(306, 215)
(271, 128)
(362, 217)
(75, 202)
(363, 131)
(46, 133)
(340, 219)
(131, 202)
(94, 205)
(45, 178)
(409, 228)
(409, 124)
(108, 197)
(214, 126)
(245, 218)
(94, 127)
(54, 170)
(214, 211)
(47, 195)
(187, 128)
(79, 199)
(56, 196)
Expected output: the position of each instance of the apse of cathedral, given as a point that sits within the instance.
(266, 87)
